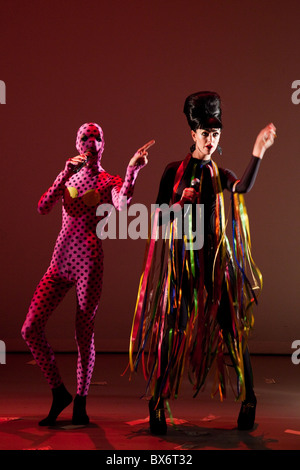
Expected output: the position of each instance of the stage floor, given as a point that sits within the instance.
(119, 416)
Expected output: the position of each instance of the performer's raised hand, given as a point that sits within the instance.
(140, 159)
(264, 140)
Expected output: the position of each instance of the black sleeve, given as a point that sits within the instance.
(246, 182)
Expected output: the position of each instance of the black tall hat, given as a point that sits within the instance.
(203, 110)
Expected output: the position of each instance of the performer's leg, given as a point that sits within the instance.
(249, 385)
(49, 293)
(246, 416)
(88, 289)
(157, 421)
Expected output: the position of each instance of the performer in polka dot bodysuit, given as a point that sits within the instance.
(77, 261)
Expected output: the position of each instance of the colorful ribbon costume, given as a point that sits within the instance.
(193, 303)
(78, 257)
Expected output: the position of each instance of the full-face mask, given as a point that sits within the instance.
(90, 138)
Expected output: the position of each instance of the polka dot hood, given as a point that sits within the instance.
(90, 138)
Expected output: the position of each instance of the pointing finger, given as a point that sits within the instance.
(146, 146)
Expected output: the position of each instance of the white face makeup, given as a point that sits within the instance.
(206, 142)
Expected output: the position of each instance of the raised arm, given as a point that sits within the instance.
(263, 141)
(121, 196)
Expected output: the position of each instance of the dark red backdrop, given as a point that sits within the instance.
(129, 65)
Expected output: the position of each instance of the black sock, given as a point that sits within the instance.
(61, 399)
(79, 411)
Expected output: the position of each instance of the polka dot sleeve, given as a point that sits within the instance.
(54, 193)
(122, 195)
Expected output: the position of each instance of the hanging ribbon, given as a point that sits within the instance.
(176, 275)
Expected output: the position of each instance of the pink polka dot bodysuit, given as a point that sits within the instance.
(77, 259)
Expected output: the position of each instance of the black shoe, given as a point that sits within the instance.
(157, 419)
(61, 399)
(246, 417)
(79, 412)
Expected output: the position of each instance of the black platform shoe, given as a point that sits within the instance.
(157, 419)
(246, 417)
